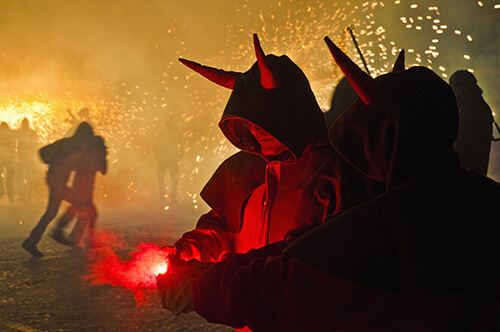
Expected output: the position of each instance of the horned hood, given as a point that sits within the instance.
(411, 129)
(275, 95)
(402, 123)
(288, 112)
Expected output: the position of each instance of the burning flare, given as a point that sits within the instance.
(137, 274)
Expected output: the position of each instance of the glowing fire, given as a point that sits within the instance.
(161, 269)
(138, 274)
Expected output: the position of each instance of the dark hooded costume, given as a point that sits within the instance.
(80, 196)
(422, 256)
(257, 199)
(63, 156)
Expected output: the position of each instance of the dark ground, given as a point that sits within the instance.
(49, 294)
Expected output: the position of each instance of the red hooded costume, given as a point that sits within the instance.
(422, 256)
(257, 198)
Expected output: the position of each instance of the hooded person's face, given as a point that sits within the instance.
(269, 146)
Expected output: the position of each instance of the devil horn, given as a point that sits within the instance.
(365, 86)
(267, 78)
(218, 76)
(399, 65)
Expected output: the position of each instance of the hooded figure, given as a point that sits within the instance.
(80, 195)
(27, 146)
(7, 160)
(62, 156)
(287, 177)
(475, 128)
(422, 256)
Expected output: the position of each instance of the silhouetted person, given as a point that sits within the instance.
(81, 193)
(27, 145)
(475, 128)
(343, 97)
(168, 150)
(7, 160)
(62, 156)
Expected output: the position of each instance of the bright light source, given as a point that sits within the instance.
(161, 269)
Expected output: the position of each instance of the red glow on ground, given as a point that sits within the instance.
(138, 274)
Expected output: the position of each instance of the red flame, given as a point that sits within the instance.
(137, 274)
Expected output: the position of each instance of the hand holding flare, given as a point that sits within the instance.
(175, 287)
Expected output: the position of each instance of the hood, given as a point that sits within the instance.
(275, 95)
(288, 112)
(84, 130)
(411, 129)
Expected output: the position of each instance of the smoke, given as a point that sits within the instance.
(138, 274)
(119, 59)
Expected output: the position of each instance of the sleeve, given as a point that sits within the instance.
(208, 242)
(49, 152)
(281, 293)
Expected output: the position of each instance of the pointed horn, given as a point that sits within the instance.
(365, 86)
(218, 76)
(267, 78)
(399, 65)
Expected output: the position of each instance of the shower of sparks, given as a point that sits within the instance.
(130, 119)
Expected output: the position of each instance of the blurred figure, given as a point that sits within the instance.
(62, 156)
(475, 129)
(80, 196)
(168, 150)
(343, 97)
(7, 160)
(27, 145)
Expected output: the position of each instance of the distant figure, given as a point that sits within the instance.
(167, 151)
(7, 160)
(343, 97)
(81, 193)
(83, 115)
(475, 129)
(27, 145)
(62, 156)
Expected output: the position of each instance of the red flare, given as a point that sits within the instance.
(399, 65)
(267, 78)
(218, 76)
(367, 89)
(138, 274)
